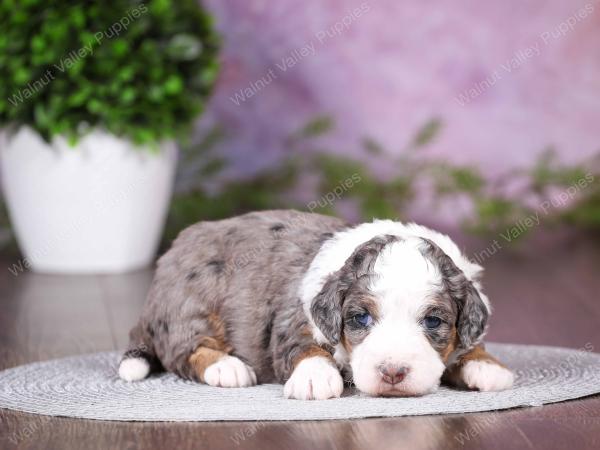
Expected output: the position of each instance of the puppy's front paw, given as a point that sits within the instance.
(229, 371)
(486, 376)
(314, 378)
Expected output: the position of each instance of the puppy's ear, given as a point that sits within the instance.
(472, 317)
(326, 307)
(472, 312)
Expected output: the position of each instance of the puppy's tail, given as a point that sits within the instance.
(139, 360)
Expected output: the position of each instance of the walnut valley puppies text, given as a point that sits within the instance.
(557, 201)
(296, 55)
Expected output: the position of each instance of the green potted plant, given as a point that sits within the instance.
(93, 95)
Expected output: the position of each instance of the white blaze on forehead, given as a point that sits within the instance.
(405, 279)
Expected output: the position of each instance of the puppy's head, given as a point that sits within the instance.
(400, 308)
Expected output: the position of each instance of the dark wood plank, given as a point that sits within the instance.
(123, 297)
(574, 422)
(50, 317)
(545, 291)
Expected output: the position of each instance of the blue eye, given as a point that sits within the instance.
(364, 320)
(432, 322)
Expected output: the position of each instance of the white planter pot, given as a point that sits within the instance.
(98, 207)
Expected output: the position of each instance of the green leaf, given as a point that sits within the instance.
(549, 172)
(38, 44)
(120, 47)
(42, 118)
(372, 146)
(184, 47)
(22, 76)
(126, 73)
(174, 85)
(427, 133)
(377, 208)
(213, 166)
(128, 95)
(94, 105)
(467, 179)
(316, 127)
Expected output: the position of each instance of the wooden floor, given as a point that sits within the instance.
(544, 292)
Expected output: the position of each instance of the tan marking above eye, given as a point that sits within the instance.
(364, 304)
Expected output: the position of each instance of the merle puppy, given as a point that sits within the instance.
(305, 300)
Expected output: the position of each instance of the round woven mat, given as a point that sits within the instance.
(88, 387)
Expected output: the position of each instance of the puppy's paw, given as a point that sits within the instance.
(486, 376)
(314, 378)
(229, 371)
(134, 369)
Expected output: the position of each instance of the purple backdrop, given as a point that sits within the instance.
(507, 78)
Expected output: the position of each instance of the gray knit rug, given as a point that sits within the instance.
(88, 387)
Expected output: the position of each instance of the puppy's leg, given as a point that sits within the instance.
(479, 370)
(213, 365)
(308, 370)
(314, 377)
(140, 359)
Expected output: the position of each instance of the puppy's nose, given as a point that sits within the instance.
(393, 374)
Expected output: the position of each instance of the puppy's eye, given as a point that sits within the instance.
(432, 322)
(364, 320)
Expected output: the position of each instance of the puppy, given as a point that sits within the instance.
(308, 300)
